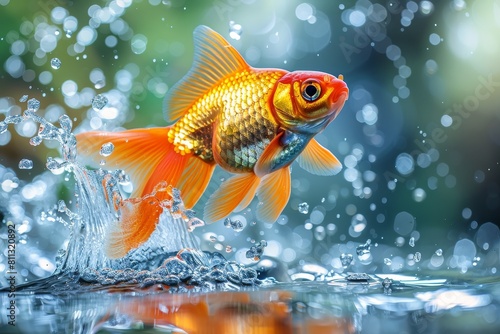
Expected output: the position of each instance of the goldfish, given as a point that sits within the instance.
(252, 122)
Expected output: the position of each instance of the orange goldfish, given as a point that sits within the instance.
(251, 122)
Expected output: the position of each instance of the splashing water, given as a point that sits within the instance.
(98, 206)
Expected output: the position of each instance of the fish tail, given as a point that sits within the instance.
(149, 159)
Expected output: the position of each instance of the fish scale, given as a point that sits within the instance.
(249, 125)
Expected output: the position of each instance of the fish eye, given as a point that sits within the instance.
(310, 90)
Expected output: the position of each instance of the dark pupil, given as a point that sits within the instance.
(311, 90)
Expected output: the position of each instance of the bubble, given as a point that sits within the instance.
(97, 77)
(393, 52)
(419, 195)
(304, 11)
(86, 36)
(14, 66)
(387, 261)
(235, 30)
(304, 208)
(431, 66)
(442, 169)
(319, 233)
(106, 149)
(459, 4)
(404, 223)
(70, 25)
(58, 15)
(479, 176)
(417, 257)
(55, 63)
(426, 7)
(404, 164)
(139, 43)
(358, 223)
(446, 121)
(18, 48)
(48, 43)
(357, 18)
(405, 71)
(23, 98)
(45, 77)
(69, 88)
(434, 39)
(487, 234)
(111, 41)
(317, 215)
(25, 164)
(99, 101)
(466, 213)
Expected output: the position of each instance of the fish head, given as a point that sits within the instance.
(307, 101)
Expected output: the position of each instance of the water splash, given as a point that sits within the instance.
(99, 202)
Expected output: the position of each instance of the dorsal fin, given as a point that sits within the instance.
(214, 59)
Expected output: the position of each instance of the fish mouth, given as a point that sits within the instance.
(340, 94)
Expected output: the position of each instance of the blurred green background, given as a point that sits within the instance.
(419, 136)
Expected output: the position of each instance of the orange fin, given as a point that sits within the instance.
(144, 154)
(230, 195)
(194, 180)
(214, 59)
(138, 220)
(273, 192)
(318, 160)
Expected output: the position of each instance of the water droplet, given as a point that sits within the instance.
(236, 224)
(55, 63)
(304, 208)
(404, 223)
(25, 164)
(346, 259)
(3, 127)
(387, 261)
(235, 30)
(66, 123)
(439, 252)
(255, 252)
(33, 104)
(387, 285)
(35, 141)
(106, 149)
(417, 257)
(363, 251)
(52, 164)
(229, 249)
(23, 98)
(412, 242)
(99, 101)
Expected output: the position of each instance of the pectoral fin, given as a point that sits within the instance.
(265, 163)
(318, 160)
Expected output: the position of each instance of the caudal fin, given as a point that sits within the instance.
(144, 154)
(148, 158)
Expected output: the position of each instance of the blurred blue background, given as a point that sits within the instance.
(419, 137)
